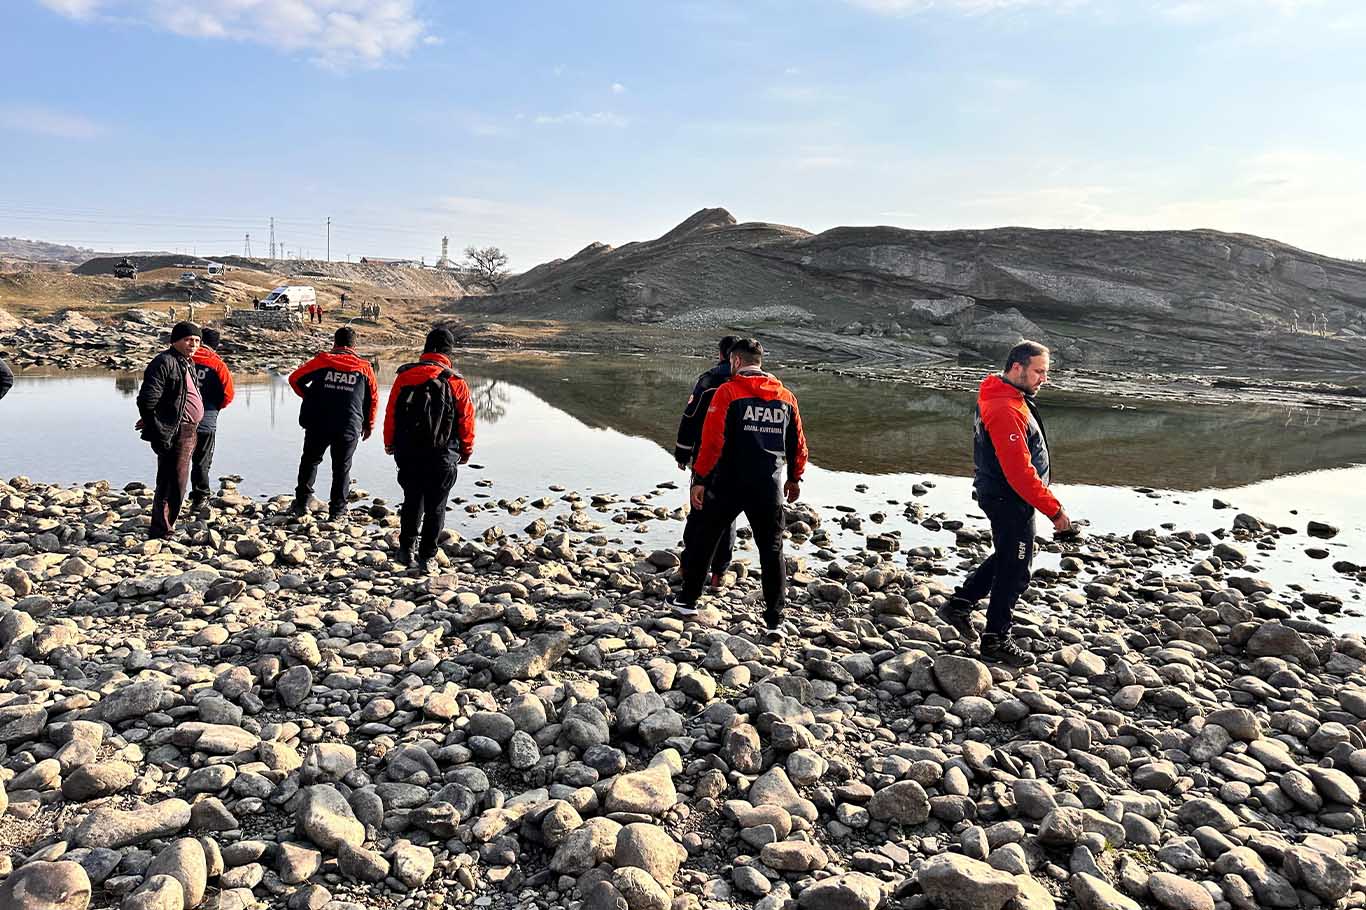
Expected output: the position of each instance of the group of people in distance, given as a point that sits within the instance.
(428, 428)
(741, 437)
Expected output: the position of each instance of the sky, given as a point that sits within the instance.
(541, 127)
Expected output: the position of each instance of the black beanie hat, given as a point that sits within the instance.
(185, 330)
(211, 338)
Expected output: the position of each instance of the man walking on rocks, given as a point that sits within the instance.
(170, 408)
(752, 455)
(685, 449)
(340, 400)
(1011, 477)
(429, 429)
(215, 387)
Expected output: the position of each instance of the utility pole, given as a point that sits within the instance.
(272, 237)
(329, 238)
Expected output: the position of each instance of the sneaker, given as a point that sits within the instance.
(430, 566)
(403, 556)
(773, 617)
(1002, 649)
(336, 512)
(299, 509)
(682, 608)
(715, 580)
(198, 502)
(958, 613)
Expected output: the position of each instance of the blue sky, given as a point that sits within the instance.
(543, 126)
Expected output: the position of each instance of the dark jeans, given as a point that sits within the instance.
(426, 483)
(725, 547)
(763, 506)
(173, 473)
(316, 444)
(202, 463)
(1005, 573)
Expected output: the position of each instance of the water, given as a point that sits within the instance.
(606, 425)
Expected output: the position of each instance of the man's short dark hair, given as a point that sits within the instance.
(211, 338)
(1024, 352)
(344, 337)
(726, 344)
(439, 341)
(749, 350)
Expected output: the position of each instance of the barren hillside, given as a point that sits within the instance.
(1181, 298)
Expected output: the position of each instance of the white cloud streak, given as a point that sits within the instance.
(43, 121)
(578, 118)
(333, 33)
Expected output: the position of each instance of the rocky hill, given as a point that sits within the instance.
(1177, 298)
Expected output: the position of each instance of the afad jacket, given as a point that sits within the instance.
(339, 392)
(215, 386)
(695, 413)
(428, 367)
(752, 435)
(1010, 447)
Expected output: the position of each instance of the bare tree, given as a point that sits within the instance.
(489, 265)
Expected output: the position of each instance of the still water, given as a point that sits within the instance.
(606, 425)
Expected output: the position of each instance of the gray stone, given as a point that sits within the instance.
(46, 886)
(850, 891)
(185, 862)
(113, 828)
(958, 883)
(325, 817)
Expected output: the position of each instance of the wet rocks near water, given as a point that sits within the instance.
(269, 712)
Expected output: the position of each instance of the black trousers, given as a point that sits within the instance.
(202, 462)
(173, 473)
(1004, 574)
(763, 506)
(426, 481)
(725, 547)
(316, 444)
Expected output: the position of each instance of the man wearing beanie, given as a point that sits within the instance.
(215, 387)
(171, 407)
(340, 400)
(429, 429)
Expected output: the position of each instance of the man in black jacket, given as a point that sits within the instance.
(6, 379)
(685, 451)
(171, 407)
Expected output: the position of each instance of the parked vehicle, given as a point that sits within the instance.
(290, 297)
(188, 277)
(215, 268)
(124, 268)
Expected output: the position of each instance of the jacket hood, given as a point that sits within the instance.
(757, 379)
(440, 360)
(995, 386)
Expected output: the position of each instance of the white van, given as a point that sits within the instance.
(290, 297)
(214, 268)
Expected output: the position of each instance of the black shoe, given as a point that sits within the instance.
(335, 514)
(773, 617)
(682, 608)
(404, 556)
(197, 503)
(958, 613)
(1002, 649)
(299, 509)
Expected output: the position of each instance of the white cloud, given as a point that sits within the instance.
(907, 7)
(334, 33)
(618, 88)
(42, 121)
(578, 118)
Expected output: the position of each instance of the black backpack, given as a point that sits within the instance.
(424, 414)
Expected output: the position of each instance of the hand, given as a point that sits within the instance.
(792, 489)
(366, 434)
(682, 466)
(698, 491)
(1062, 524)
(388, 450)
(138, 425)
(465, 457)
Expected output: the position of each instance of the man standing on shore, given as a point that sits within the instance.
(429, 429)
(170, 408)
(685, 449)
(1010, 481)
(215, 387)
(6, 378)
(752, 455)
(340, 399)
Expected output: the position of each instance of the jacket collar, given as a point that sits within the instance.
(436, 358)
(351, 351)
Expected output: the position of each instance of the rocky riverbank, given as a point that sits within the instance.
(268, 712)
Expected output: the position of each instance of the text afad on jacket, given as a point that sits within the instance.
(335, 377)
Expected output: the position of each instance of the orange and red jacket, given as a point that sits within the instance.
(339, 391)
(428, 367)
(1010, 447)
(752, 431)
(215, 385)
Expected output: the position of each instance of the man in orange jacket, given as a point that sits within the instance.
(340, 401)
(1010, 482)
(429, 429)
(215, 385)
(752, 456)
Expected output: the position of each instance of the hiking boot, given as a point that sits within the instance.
(958, 613)
(1002, 649)
(336, 512)
(682, 608)
(403, 556)
(299, 509)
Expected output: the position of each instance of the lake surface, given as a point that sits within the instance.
(606, 425)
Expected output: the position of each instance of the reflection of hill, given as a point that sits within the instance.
(880, 428)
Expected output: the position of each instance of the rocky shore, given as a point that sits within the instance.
(269, 713)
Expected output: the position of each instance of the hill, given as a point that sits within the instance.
(1175, 298)
(41, 251)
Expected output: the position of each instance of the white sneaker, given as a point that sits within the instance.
(681, 608)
